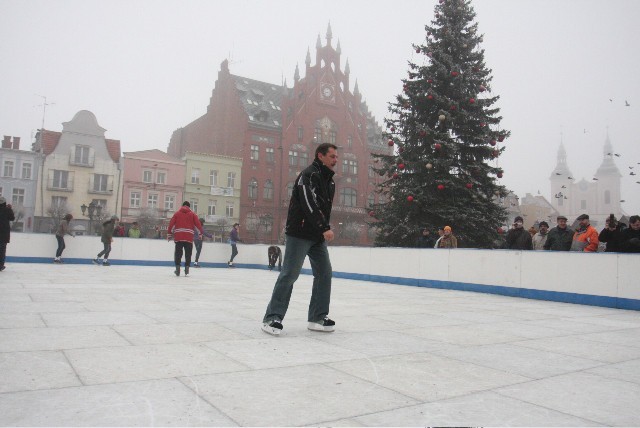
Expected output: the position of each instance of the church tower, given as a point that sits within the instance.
(608, 183)
(561, 183)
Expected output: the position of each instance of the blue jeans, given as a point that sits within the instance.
(295, 251)
(234, 252)
(61, 245)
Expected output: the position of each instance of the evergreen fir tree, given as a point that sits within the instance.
(446, 136)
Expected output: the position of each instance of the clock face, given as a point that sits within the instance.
(327, 92)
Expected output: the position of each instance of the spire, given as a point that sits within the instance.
(356, 91)
(338, 50)
(347, 69)
(318, 42)
(608, 166)
(307, 60)
(561, 171)
(296, 74)
(329, 34)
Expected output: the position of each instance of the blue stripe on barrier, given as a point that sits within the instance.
(526, 293)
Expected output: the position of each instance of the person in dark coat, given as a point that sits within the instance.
(611, 234)
(518, 238)
(425, 240)
(560, 237)
(6, 217)
(630, 237)
(274, 253)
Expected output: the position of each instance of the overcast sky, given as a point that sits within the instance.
(146, 68)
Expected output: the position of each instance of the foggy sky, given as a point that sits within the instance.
(146, 68)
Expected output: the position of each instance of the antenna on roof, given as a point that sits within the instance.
(44, 108)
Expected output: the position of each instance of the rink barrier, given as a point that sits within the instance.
(603, 279)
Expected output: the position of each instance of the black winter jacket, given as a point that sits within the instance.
(6, 216)
(559, 239)
(310, 205)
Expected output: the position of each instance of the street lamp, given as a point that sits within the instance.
(91, 211)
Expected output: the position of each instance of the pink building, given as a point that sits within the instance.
(152, 189)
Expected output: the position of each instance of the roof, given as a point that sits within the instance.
(261, 101)
(153, 154)
(50, 140)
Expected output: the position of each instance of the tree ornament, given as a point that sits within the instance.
(501, 138)
(482, 124)
(499, 174)
(495, 153)
(442, 118)
(423, 133)
(440, 186)
(418, 50)
(400, 166)
(429, 80)
(464, 46)
(410, 198)
(395, 175)
(472, 100)
(482, 88)
(390, 142)
(454, 73)
(452, 108)
(429, 97)
(500, 231)
(429, 166)
(492, 142)
(430, 54)
(400, 149)
(437, 146)
(372, 214)
(469, 185)
(475, 69)
(437, 15)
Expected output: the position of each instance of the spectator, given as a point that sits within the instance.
(517, 237)
(559, 238)
(611, 234)
(540, 238)
(585, 238)
(119, 230)
(134, 230)
(6, 217)
(425, 240)
(448, 240)
(630, 237)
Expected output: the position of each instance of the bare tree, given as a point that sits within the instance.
(148, 220)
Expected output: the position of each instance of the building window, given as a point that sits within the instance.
(371, 172)
(211, 208)
(213, 177)
(349, 141)
(169, 202)
(268, 190)
(317, 135)
(252, 222)
(253, 189)
(194, 205)
(134, 200)
(7, 171)
(255, 152)
(353, 167)
(81, 156)
(293, 158)
(18, 197)
(58, 201)
(26, 171)
(304, 159)
(147, 177)
(333, 137)
(100, 182)
(300, 133)
(161, 177)
(345, 166)
(60, 179)
(348, 197)
(152, 200)
(231, 179)
(229, 209)
(270, 154)
(195, 176)
(607, 197)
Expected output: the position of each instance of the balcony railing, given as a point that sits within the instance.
(61, 185)
(79, 161)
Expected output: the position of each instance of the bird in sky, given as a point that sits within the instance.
(611, 99)
(622, 200)
(626, 103)
(558, 173)
(632, 173)
(631, 167)
(570, 178)
(594, 179)
(564, 187)
(584, 130)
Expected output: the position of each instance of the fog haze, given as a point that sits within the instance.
(563, 69)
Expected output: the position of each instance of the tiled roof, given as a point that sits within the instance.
(153, 154)
(113, 148)
(50, 141)
(261, 101)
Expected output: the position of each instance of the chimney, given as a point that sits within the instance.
(16, 143)
(6, 142)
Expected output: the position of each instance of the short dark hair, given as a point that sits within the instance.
(634, 218)
(324, 149)
(186, 204)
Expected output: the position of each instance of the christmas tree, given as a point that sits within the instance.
(447, 140)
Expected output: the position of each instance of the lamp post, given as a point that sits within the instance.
(91, 211)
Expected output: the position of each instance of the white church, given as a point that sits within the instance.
(598, 198)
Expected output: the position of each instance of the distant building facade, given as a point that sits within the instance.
(599, 197)
(80, 167)
(18, 181)
(153, 187)
(535, 209)
(275, 131)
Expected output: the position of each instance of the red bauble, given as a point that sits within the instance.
(400, 149)
(452, 108)
(410, 198)
(499, 175)
(400, 166)
(454, 73)
(482, 88)
(429, 97)
(475, 69)
(440, 186)
(501, 138)
(429, 81)
(395, 175)
(492, 142)
(469, 185)
(393, 129)
(482, 124)
(500, 230)
(390, 143)
(437, 15)
(437, 146)
(371, 213)
(472, 100)
(418, 50)
(423, 132)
